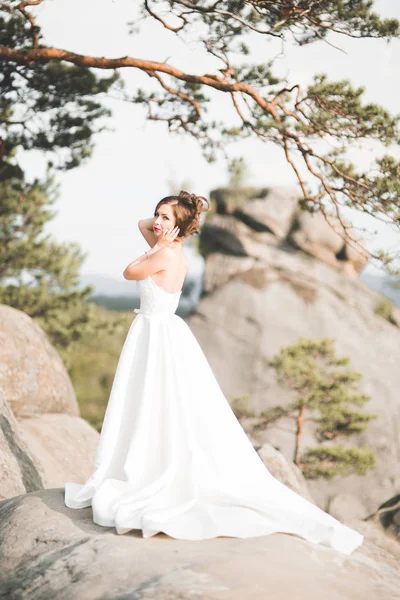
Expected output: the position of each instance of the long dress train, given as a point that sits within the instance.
(172, 456)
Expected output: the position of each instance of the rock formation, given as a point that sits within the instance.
(34, 380)
(43, 441)
(273, 274)
(49, 551)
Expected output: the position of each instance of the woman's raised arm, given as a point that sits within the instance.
(154, 260)
(146, 228)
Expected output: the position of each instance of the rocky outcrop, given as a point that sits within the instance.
(314, 235)
(276, 212)
(260, 293)
(32, 375)
(49, 551)
(54, 445)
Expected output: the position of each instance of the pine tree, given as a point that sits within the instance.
(325, 391)
(51, 108)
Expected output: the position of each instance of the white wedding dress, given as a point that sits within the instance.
(172, 456)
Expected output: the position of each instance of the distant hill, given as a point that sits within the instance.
(108, 286)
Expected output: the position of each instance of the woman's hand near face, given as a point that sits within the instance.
(166, 238)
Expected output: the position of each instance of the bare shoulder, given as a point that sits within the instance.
(167, 256)
(167, 252)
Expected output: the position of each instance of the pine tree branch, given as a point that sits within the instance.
(325, 111)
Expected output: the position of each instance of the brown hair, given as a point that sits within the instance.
(186, 208)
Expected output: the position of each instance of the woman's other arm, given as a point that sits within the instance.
(151, 262)
(146, 228)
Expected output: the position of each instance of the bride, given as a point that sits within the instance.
(172, 456)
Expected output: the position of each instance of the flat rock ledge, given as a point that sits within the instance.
(48, 551)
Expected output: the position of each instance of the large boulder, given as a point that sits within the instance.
(273, 217)
(286, 472)
(226, 200)
(65, 447)
(33, 377)
(49, 551)
(43, 441)
(270, 296)
(274, 211)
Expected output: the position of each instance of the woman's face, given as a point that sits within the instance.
(163, 219)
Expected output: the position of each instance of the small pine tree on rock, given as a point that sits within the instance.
(325, 392)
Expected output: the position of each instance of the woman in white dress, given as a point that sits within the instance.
(172, 456)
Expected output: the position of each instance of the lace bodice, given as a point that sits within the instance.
(154, 300)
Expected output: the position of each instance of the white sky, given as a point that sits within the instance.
(101, 201)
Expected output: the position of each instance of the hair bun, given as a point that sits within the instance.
(196, 201)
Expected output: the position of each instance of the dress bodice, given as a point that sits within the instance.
(154, 300)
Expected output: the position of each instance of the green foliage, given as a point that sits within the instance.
(384, 309)
(240, 406)
(307, 20)
(324, 462)
(324, 386)
(336, 108)
(53, 108)
(38, 275)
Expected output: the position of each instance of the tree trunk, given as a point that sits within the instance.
(300, 419)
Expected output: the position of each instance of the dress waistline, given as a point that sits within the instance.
(153, 313)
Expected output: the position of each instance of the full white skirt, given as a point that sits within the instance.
(173, 458)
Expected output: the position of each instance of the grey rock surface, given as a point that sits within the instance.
(269, 297)
(19, 470)
(49, 551)
(345, 506)
(314, 235)
(64, 446)
(274, 211)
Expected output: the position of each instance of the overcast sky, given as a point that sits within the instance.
(101, 201)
